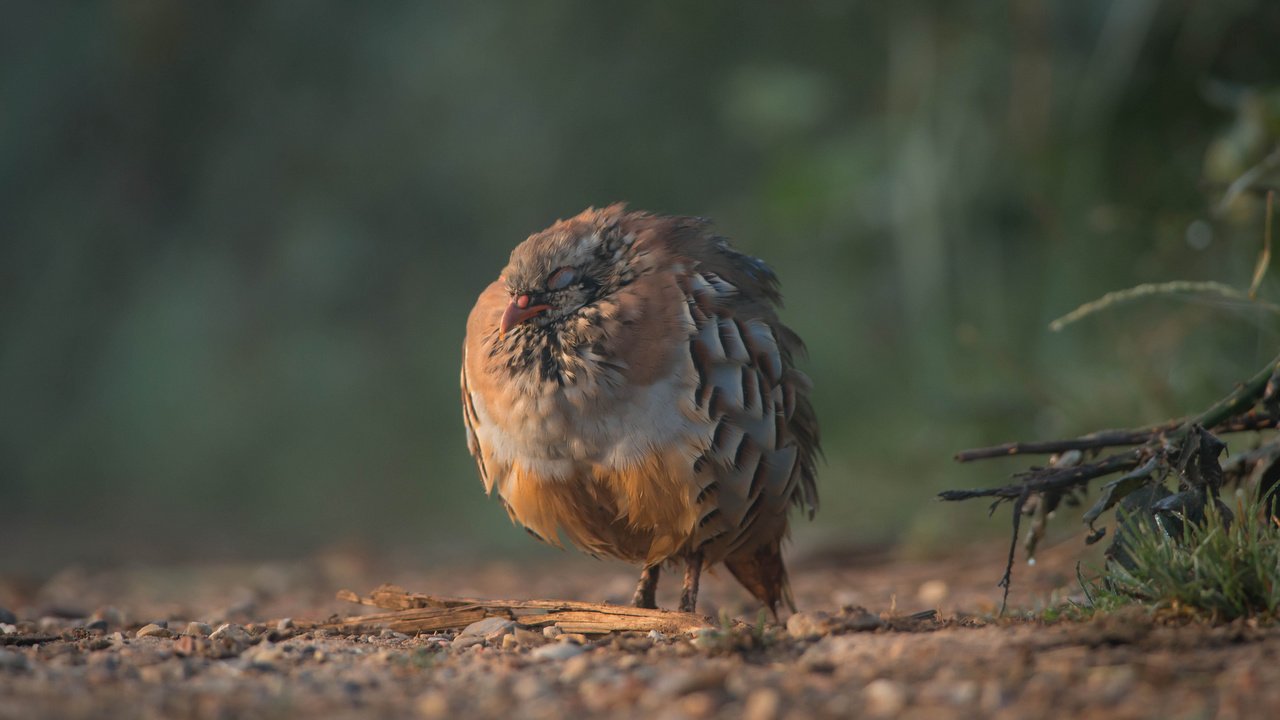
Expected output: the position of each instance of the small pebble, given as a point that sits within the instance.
(97, 626)
(808, 625)
(265, 655)
(528, 687)
(556, 651)
(197, 629)
(698, 705)
(575, 668)
(153, 630)
(884, 697)
(228, 640)
(10, 660)
(7, 617)
(284, 625)
(463, 642)
(963, 692)
(551, 632)
(490, 628)
(509, 642)
(232, 632)
(432, 704)
(189, 645)
(762, 704)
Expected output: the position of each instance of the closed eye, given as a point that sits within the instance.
(562, 278)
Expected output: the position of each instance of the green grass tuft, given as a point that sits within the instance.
(1218, 568)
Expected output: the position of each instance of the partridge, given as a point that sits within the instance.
(626, 383)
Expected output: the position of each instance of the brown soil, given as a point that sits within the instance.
(56, 661)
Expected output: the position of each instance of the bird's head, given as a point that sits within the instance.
(571, 265)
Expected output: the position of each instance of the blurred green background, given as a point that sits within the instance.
(238, 241)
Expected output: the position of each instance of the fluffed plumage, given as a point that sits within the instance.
(626, 383)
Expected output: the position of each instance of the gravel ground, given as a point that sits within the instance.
(216, 642)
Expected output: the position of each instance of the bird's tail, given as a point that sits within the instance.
(764, 575)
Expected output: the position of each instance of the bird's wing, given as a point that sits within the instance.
(481, 323)
(761, 456)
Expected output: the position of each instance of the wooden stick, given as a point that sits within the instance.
(414, 612)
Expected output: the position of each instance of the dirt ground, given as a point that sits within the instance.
(78, 645)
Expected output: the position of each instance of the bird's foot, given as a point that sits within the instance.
(647, 588)
(692, 573)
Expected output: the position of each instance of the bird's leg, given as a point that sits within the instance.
(692, 572)
(647, 588)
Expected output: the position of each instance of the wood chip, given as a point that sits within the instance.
(415, 612)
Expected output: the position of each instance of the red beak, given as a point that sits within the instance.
(518, 311)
